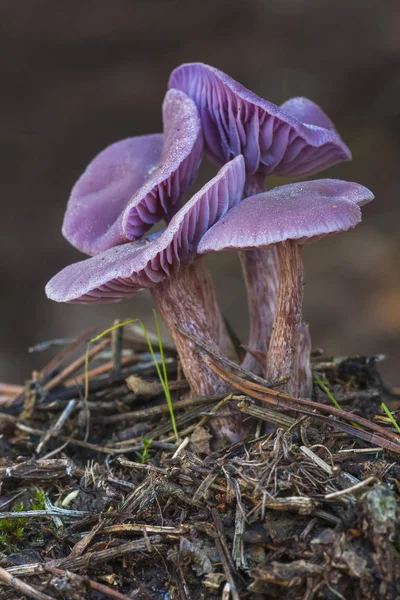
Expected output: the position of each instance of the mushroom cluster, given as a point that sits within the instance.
(135, 183)
(296, 139)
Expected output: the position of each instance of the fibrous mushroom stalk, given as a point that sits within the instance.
(282, 357)
(186, 300)
(261, 273)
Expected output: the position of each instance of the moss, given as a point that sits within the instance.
(38, 501)
(12, 531)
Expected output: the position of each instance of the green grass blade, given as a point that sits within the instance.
(163, 376)
(166, 385)
(391, 417)
(328, 392)
(331, 397)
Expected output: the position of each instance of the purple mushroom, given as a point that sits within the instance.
(287, 217)
(296, 139)
(166, 264)
(134, 183)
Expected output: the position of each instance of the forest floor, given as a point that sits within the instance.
(100, 499)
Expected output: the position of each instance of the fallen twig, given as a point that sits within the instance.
(226, 560)
(98, 587)
(91, 558)
(22, 587)
(74, 366)
(287, 402)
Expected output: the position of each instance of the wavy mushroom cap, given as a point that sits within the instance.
(307, 111)
(136, 182)
(303, 212)
(123, 270)
(295, 139)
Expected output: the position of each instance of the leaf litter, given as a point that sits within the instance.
(108, 491)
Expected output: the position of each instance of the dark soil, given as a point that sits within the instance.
(99, 500)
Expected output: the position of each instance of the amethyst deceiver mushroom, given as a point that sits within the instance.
(166, 263)
(295, 139)
(136, 182)
(287, 217)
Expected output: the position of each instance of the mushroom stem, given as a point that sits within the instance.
(261, 273)
(186, 299)
(282, 358)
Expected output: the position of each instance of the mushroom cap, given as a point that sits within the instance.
(136, 182)
(123, 270)
(295, 139)
(302, 212)
(307, 111)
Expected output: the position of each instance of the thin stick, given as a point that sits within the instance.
(224, 555)
(156, 410)
(90, 558)
(236, 343)
(181, 447)
(22, 587)
(98, 587)
(82, 545)
(143, 528)
(291, 403)
(101, 370)
(57, 450)
(105, 556)
(143, 467)
(358, 451)
(57, 361)
(74, 366)
(57, 427)
(352, 488)
(65, 353)
(95, 447)
(247, 375)
(36, 514)
(10, 389)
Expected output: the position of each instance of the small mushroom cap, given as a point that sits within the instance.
(295, 139)
(303, 212)
(123, 270)
(136, 182)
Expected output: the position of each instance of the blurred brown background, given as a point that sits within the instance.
(76, 76)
